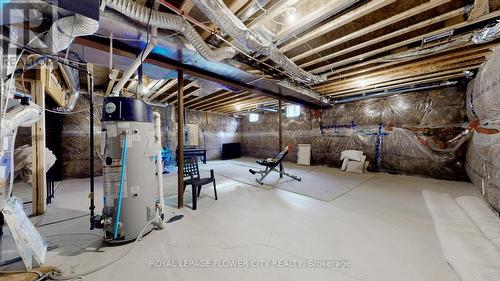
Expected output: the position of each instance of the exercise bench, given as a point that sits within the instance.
(272, 164)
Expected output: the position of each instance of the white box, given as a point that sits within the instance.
(304, 154)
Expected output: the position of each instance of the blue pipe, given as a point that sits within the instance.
(122, 175)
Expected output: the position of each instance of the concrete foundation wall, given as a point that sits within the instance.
(418, 127)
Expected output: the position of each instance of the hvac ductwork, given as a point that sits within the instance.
(171, 22)
(218, 13)
(20, 116)
(487, 34)
(74, 80)
(63, 31)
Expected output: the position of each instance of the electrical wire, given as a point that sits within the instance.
(70, 112)
(88, 272)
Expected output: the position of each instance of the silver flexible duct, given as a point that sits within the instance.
(487, 34)
(20, 116)
(172, 22)
(63, 31)
(218, 13)
(75, 88)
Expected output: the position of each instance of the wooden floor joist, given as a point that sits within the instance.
(388, 36)
(381, 24)
(330, 67)
(438, 75)
(405, 84)
(234, 101)
(201, 100)
(405, 71)
(437, 56)
(340, 21)
(219, 100)
(163, 89)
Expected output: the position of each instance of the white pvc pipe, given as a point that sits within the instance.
(135, 65)
(159, 163)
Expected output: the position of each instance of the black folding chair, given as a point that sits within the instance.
(271, 164)
(192, 172)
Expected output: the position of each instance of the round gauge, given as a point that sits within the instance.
(110, 107)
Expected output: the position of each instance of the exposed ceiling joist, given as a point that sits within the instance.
(330, 8)
(405, 84)
(226, 97)
(381, 24)
(338, 22)
(428, 65)
(438, 75)
(330, 67)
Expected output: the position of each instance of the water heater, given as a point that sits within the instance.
(129, 169)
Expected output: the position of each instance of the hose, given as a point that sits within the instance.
(120, 196)
(172, 22)
(85, 273)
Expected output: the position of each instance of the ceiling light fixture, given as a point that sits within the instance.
(291, 14)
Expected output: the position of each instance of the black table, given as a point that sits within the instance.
(196, 152)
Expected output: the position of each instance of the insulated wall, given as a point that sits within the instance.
(483, 154)
(408, 133)
(214, 130)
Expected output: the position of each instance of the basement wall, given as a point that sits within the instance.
(214, 129)
(417, 128)
(483, 107)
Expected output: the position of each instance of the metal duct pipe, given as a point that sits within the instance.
(218, 13)
(63, 31)
(172, 22)
(391, 92)
(19, 116)
(267, 109)
(74, 80)
(157, 104)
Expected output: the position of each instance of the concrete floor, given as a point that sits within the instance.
(380, 226)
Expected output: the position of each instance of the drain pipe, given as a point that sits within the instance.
(159, 165)
(137, 62)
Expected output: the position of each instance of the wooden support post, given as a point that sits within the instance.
(180, 138)
(280, 131)
(38, 182)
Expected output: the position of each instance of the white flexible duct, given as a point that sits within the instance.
(172, 22)
(218, 13)
(20, 116)
(63, 31)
